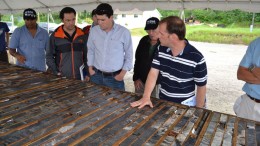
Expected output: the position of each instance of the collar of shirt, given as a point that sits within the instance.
(186, 49)
(70, 37)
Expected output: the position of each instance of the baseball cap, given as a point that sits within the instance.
(29, 14)
(151, 23)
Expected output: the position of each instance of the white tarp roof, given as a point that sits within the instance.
(14, 6)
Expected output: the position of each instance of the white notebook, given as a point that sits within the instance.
(82, 71)
(190, 101)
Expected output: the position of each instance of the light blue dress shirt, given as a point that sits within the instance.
(110, 51)
(252, 57)
(33, 48)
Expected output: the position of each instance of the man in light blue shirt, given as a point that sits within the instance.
(248, 105)
(110, 50)
(29, 42)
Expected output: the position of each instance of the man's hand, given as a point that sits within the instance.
(87, 78)
(138, 84)
(256, 72)
(252, 77)
(59, 74)
(91, 71)
(20, 58)
(120, 76)
(142, 102)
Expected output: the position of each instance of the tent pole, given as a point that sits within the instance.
(12, 19)
(252, 25)
(48, 20)
(39, 20)
(181, 14)
(77, 16)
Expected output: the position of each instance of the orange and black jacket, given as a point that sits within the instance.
(66, 55)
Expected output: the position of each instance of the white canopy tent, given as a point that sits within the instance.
(14, 6)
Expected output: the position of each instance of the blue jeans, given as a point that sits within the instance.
(108, 81)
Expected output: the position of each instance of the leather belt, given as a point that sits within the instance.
(108, 73)
(254, 99)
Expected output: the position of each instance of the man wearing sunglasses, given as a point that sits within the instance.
(110, 50)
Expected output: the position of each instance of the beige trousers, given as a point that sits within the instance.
(247, 108)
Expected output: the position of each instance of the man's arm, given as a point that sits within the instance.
(85, 60)
(137, 68)
(256, 72)
(149, 86)
(138, 58)
(128, 58)
(250, 77)
(90, 54)
(16, 55)
(121, 75)
(7, 38)
(200, 96)
(50, 56)
(7, 30)
(14, 43)
(128, 49)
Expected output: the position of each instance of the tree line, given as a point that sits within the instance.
(229, 18)
(233, 17)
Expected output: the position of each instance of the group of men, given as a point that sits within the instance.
(164, 57)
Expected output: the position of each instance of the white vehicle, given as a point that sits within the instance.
(52, 26)
(11, 26)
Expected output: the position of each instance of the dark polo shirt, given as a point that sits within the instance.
(180, 74)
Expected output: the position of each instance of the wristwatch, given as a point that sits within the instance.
(251, 68)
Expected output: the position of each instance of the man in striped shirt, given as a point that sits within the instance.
(180, 66)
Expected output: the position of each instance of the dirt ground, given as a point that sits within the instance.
(222, 61)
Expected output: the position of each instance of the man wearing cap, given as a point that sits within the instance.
(4, 41)
(180, 67)
(67, 50)
(110, 51)
(144, 54)
(29, 42)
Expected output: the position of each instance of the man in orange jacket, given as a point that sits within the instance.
(67, 50)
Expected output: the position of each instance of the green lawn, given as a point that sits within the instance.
(204, 33)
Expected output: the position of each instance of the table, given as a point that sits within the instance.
(42, 109)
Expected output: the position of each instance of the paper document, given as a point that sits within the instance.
(82, 71)
(190, 101)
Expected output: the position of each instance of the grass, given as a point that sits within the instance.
(138, 32)
(205, 33)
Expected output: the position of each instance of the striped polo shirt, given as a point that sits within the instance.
(179, 75)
